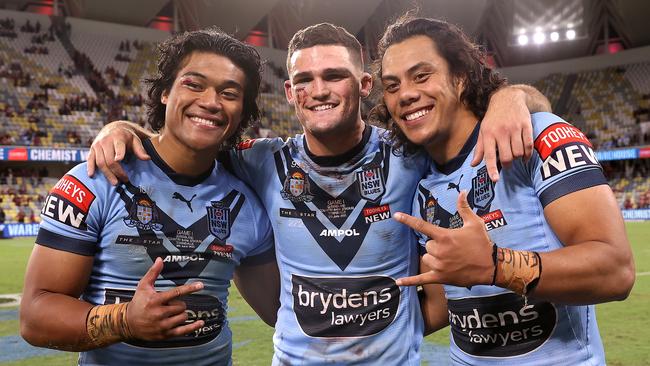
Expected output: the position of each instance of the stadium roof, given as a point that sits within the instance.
(494, 22)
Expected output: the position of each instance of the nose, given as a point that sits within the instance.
(319, 89)
(210, 100)
(408, 95)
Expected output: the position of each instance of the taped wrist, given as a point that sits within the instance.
(106, 324)
(517, 270)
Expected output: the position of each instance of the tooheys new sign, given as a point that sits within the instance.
(344, 306)
(501, 325)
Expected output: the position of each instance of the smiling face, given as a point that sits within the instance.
(325, 88)
(419, 91)
(204, 104)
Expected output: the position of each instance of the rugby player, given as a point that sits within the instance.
(520, 260)
(331, 193)
(138, 274)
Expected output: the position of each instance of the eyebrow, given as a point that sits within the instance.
(227, 83)
(333, 70)
(411, 70)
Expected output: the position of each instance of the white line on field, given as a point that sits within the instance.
(639, 274)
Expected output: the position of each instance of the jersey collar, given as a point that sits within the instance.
(180, 179)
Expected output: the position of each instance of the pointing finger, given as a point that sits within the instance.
(418, 225)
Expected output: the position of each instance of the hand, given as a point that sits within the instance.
(459, 257)
(159, 315)
(109, 149)
(506, 127)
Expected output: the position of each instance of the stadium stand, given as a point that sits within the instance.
(61, 80)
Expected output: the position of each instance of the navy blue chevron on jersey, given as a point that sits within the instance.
(201, 227)
(339, 250)
(491, 325)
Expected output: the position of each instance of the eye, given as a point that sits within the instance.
(230, 94)
(191, 84)
(391, 88)
(421, 77)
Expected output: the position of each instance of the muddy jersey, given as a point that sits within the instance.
(339, 250)
(201, 227)
(491, 325)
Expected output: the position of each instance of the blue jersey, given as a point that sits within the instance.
(491, 325)
(201, 227)
(339, 250)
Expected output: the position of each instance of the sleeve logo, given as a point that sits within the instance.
(68, 202)
(563, 147)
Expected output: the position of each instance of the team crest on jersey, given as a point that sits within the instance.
(143, 214)
(371, 182)
(430, 210)
(296, 187)
(218, 220)
(483, 189)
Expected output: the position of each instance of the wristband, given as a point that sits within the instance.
(106, 324)
(518, 270)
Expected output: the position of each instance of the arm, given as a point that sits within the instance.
(433, 303)
(595, 265)
(507, 127)
(53, 316)
(259, 285)
(110, 146)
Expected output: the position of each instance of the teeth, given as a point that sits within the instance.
(203, 121)
(323, 107)
(418, 114)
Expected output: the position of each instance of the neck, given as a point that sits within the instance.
(448, 143)
(335, 143)
(182, 159)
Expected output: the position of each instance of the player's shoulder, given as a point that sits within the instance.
(542, 120)
(230, 180)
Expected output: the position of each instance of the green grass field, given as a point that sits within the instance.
(624, 326)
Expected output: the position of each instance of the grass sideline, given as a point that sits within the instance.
(624, 327)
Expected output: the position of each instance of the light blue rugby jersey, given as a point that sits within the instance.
(201, 227)
(491, 325)
(339, 250)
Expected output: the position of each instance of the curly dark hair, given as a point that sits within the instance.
(173, 52)
(466, 63)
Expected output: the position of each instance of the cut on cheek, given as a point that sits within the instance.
(301, 95)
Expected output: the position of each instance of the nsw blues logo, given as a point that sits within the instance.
(218, 220)
(483, 189)
(143, 214)
(371, 182)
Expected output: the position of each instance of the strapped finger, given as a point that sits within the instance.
(418, 224)
(179, 291)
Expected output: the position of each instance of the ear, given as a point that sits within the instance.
(366, 84)
(288, 92)
(460, 86)
(164, 97)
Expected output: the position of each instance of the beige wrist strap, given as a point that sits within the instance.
(106, 324)
(517, 270)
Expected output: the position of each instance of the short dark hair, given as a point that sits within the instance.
(467, 62)
(174, 50)
(324, 34)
